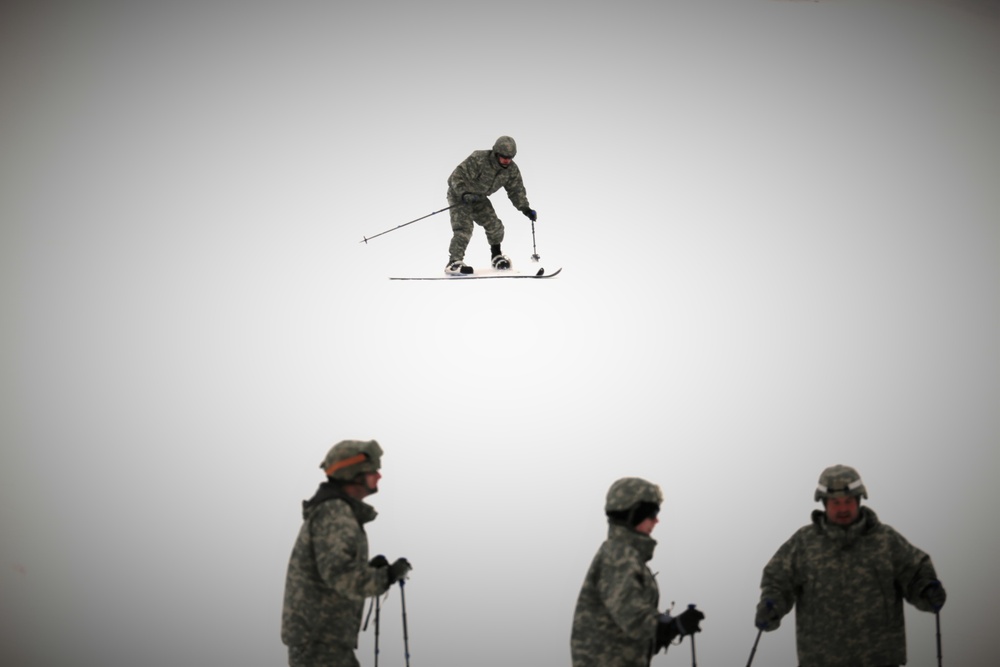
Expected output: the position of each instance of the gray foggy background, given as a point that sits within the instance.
(779, 227)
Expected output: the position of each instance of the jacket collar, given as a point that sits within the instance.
(644, 544)
(327, 491)
(846, 536)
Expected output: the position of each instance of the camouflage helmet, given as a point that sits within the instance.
(350, 458)
(840, 481)
(628, 492)
(505, 147)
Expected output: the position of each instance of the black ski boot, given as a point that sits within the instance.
(500, 260)
(457, 267)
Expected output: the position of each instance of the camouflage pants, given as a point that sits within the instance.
(321, 655)
(463, 217)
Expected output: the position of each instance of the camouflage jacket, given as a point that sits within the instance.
(847, 585)
(614, 624)
(481, 174)
(328, 575)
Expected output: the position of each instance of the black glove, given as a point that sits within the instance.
(666, 630)
(398, 570)
(379, 561)
(669, 627)
(689, 620)
(531, 213)
(470, 197)
(768, 618)
(934, 593)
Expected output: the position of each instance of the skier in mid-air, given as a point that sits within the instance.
(469, 187)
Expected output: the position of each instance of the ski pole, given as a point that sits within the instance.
(406, 638)
(374, 603)
(376, 629)
(694, 659)
(937, 621)
(754, 649)
(368, 238)
(534, 250)
(760, 631)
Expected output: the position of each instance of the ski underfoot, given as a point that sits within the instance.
(484, 274)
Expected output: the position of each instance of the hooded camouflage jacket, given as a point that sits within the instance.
(614, 624)
(847, 585)
(328, 575)
(482, 174)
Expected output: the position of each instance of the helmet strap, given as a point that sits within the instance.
(344, 463)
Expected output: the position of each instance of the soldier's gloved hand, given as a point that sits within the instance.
(688, 621)
(470, 198)
(934, 592)
(666, 630)
(398, 570)
(767, 618)
(379, 561)
(531, 213)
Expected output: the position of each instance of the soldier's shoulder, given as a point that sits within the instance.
(803, 535)
(887, 532)
(618, 550)
(473, 157)
(332, 510)
(806, 531)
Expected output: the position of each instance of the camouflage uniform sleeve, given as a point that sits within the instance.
(515, 188)
(779, 580)
(621, 588)
(913, 569)
(341, 550)
(462, 180)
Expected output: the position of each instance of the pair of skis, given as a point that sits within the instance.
(484, 276)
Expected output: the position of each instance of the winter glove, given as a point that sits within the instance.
(379, 561)
(470, 198)
(669, 627)
(531, 213)
(934, 593)
(666, 630)
(767, 618)
(398, 570)
(689, 620)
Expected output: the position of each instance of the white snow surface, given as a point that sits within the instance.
(778, 223)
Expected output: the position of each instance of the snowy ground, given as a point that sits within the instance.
(778, 223)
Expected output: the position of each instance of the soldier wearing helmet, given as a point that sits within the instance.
(617, 622)
(329, 574)
(469, 187)
(847, 574)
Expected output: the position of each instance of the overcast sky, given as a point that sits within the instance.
(778, 226)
